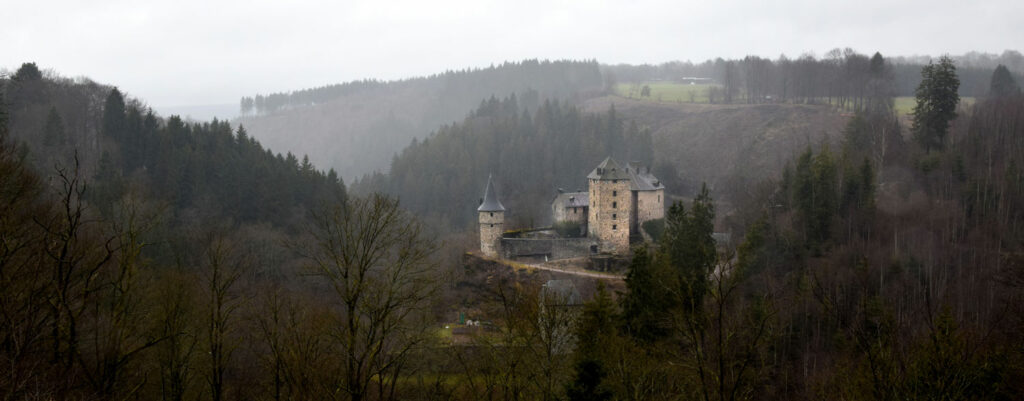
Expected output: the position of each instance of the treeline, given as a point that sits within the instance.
(841, 75)
(531, 156)
(364, 124)
(531, 77)
(877, 271)
(147, 275)
(119, 145)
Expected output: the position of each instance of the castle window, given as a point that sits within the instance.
(615, 227)
(492, 225)
(614, 216)
(492, 214)
(615, 193)
(573, 210)
(615, 205)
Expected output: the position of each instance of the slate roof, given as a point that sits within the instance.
(573, 199)
(641, 179)
(608, 170)
(490, 202)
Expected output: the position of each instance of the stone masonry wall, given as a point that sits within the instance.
(492, 225)
(610, 209)
(554, 248)
(650, 205)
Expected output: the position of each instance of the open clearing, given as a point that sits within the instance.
(663, 91)
(905, 104)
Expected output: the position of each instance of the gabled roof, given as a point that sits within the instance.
(608, 170)
(490, 202)
(641, 179)
(572, 199)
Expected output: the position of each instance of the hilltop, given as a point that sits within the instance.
(712, 142)
(357, 127)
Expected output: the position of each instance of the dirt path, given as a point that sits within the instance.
(576, 272)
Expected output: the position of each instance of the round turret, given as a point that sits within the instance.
(492, 221)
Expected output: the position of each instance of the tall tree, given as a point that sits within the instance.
(114, 121)
(377, 261)
(937, 99)
(53, 133)
(1002, 83)
(595, 330)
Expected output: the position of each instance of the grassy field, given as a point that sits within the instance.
(905, 104)
(673, 92)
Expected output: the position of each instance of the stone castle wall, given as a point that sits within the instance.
(574, 214)
(553, 248)
(650, 205)
(492, 225)
(610, 211)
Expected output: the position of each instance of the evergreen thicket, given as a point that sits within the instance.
(531, 155)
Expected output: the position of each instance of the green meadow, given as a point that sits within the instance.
(662, 91)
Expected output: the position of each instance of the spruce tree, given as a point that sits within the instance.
(114, 121)
(595, 331)
(647, 300)
(1002, 84)
(53, 133)
(937, 99)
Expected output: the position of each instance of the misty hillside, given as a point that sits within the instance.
(357, 127)
(711, 143)
(531, 155)
(195, 170)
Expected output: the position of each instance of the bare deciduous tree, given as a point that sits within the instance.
(377, 260)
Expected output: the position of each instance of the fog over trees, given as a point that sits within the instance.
(873, 250)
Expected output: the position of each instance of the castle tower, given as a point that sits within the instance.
(492, 221)
(610, 207)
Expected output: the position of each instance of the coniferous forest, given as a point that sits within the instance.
(149, 257)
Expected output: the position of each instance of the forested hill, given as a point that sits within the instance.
(838, 73)
(529, 154)
(198, 171)
(357, 127)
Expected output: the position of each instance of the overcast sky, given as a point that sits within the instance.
(198, 52)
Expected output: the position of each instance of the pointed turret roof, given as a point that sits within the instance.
(608, 170)
(490, 202)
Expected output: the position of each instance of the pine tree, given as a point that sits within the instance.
(825, 193)
(53, 133)
(595, 331)
(937, 99)
(1002, 84)
(647, 299)
(114, 124)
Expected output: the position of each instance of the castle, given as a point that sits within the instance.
(618, 201)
